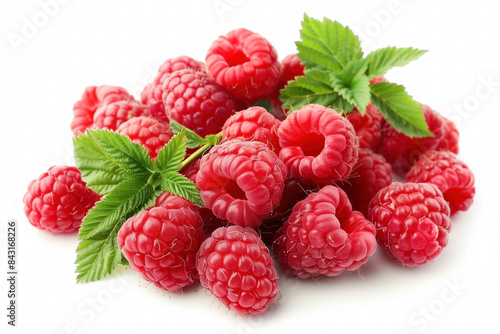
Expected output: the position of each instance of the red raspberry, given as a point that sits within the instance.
(402, 151)
(244, 63)
(449, 142)
(58, 200)
(324, 237)
(92, 98)
(148, 132)
(291, 67)
(318, 144)
(111, 116)
(151, 96)
(241, 181)
(254, 123)
(194, 100)
(210, 221)
(236, 267)
(176, 64)
(152, 93)
(412, 221)
(370, 174)
(368, 127)
(450, 175)
(161, 244)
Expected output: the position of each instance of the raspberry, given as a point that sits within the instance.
(241, 181)
(402, 151)
(152, 93)
(236, 267)
(323, 236)
(367, 127)
(244, 63)
(58, 200)
(450, 175)
(291, 67)
(449, 142)
(254, 123)
(176, 64)
(161, 244)
(318, 144)
(111, 116)
(92, 98)
(194, 100)
(151, 96)
(370, 174)
(412, 221)
(147, 132)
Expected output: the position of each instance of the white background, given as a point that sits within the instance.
(84, 43)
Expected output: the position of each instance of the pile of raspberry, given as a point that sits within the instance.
(312, 189)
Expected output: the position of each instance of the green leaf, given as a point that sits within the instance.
(128, 197)
(98, 253)
(99, 172)
(399, 109)
(382, 60)
(131, 157)
(193, 139)
(327, 44)
(314, 87)
(170, 157)
(353, 85)
(180, 185)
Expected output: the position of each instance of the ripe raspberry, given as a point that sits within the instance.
(244, 63)
(236, 267)
(449, 142)
(254, 123)
(412, 221)
(148, 132)
(450, 175)
(152, 93)
(370, 174)
(402, 151)
(291, 67)
(92, 98)
(368, 127)
(293, 192)
(151, 96)
(176, 64)
(194, 100)
(161, 244)
(58, 200)
(318, 144)
(241, 181)
(111, 116)
(323, 236)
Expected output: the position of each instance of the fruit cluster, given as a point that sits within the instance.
(314, 185)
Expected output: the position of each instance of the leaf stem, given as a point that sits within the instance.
(199, 151)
